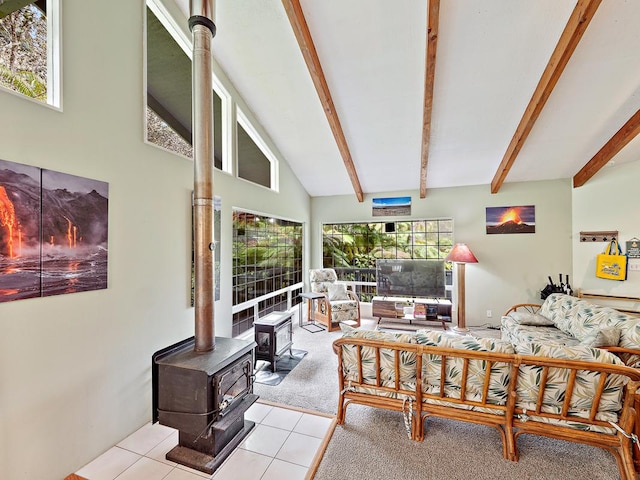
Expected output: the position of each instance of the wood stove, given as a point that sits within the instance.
(274, 336)
(204, 395)
(203, 386)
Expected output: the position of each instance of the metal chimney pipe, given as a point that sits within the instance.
(202, 30)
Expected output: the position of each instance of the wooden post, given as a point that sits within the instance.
(462, 326)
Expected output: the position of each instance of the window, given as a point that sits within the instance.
(255, 162)
(29, 52)
(352, 248)
(267, 266)
(169, 92)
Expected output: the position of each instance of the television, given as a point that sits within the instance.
(410, 278)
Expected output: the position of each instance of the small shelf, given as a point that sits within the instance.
(425, 309)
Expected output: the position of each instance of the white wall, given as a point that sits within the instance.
(512, 268)
(609, 201)
(75, 369)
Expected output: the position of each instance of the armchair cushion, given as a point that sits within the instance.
(337, 291)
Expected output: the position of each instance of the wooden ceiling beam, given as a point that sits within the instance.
(616, 143)
(305, 41)
(433, 22)
(573, 31)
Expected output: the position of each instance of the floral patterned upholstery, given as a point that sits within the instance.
(323, 280)
(586, 383)
(350, 364)
(559, 391)
(577, 322)
(432, 366)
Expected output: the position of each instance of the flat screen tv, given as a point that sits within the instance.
(410, 278)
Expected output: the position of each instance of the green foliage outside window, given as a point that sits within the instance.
(23, 52)
(267, 257)
(353, 248)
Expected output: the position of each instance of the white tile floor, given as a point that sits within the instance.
(282, 446)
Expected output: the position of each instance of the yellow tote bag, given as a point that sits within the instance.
(612, 264)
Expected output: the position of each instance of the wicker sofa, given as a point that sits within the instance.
(565, 392)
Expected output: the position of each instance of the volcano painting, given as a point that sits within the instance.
(521, 219)
(53, 232)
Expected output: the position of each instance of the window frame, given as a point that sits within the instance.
(185, 44)
(366, 288)
(274, 170)
(54, 58)
(252, 307)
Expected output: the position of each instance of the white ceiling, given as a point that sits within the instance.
(490, 56)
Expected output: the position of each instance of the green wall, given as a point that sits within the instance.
(511, 268)
(75, 374)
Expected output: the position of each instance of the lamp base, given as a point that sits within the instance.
(460, 329)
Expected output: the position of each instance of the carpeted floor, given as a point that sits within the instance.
(373, 443)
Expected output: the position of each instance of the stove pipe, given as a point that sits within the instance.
(203, 29)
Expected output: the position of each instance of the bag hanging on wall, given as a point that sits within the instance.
(612, 264)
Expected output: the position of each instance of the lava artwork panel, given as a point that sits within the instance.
(75, 215)
(20, 192)
(519, 219)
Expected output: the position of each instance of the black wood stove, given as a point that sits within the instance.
(204, 396)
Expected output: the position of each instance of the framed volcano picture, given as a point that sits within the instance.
(519, 219)
(53, 232)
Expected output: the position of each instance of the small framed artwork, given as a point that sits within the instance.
(518, 219)
(633, 248)
(391, 206)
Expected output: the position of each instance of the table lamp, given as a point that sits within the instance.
(461, 255)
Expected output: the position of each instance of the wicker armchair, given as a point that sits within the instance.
(339, 305)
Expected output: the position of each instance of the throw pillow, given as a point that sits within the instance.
(607, 337)
(337, 291)
(532, 319)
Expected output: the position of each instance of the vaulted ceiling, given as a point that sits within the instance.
(371, 96)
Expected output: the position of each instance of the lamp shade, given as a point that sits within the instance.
(461, 254)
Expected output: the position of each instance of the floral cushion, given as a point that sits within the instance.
(344, 310)
(579, 318)
(533, 319)
(498, 376)
(585, 386)
(517, 333)
(629, 326)
(337, 291)
(350, 367)
(582, 320)
(606, 337)
(321, 278)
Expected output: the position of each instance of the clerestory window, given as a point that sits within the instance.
(30, 49)
(169, 91)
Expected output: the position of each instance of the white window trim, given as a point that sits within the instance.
(185, 43)
(54, 60)
(54, 53)
(257, 139)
